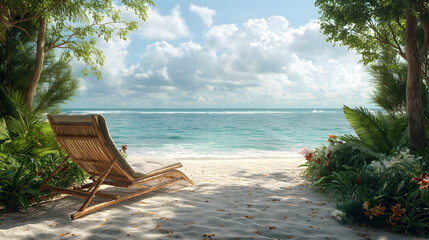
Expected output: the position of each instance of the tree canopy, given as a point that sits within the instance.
(371, 26)
(74, 26)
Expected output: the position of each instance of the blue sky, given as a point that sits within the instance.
(218, 54)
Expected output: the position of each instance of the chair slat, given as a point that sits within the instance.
(93, 161)
(77, 137)
(89, 125)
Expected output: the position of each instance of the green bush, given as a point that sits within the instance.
(17, 188)
(373, 181)
(28, 154)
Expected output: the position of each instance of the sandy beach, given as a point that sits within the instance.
(252, 198)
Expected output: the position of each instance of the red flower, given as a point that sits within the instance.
(418, 179)
(37, 173)
(358, 181)
(124, 147)
(317, 160)
(307, 153)
(423, 181)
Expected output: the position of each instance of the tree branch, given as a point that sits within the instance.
(23, 29)
(379, 37)
(396, 42)
(52, 46)
(400, 24)
(386, 42)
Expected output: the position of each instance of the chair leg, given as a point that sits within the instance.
(97, 185)
(143, 190)
(186, 178)
(53, 174)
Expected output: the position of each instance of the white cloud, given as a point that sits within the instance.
(261, 63)
(157, 26)
(206, 14)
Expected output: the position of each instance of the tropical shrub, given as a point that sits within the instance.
(373, 177)
(28, 153)
(18, 187)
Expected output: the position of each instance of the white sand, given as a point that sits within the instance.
(237, 198)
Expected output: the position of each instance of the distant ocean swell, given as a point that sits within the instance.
(221, 133)
(192, 112)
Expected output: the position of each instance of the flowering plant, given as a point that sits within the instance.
(319, 161)
(332, 139)
(375, 211)
(123, 150)
(307, 153)
(396, 215)
(423, 181)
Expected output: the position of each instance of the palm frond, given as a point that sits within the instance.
(396, 129)
(350, 138)
(370, 129)
(4, 132)
(23, 117)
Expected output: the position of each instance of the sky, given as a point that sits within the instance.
(225, 54)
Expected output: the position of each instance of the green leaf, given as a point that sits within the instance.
(320, 181)
(425, 196)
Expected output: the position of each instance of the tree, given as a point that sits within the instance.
(369, 26)
(72, 25)
(57, 84)
(389, 78)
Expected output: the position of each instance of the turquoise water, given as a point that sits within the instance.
(221, 133)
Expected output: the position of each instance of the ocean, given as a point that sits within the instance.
(221, 133)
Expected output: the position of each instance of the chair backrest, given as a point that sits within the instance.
(86, 139)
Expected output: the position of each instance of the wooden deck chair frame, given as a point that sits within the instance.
(88, 146)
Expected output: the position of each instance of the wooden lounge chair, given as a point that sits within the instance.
(86, 140)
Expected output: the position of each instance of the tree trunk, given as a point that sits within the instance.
(414, 98)
(40, 56)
